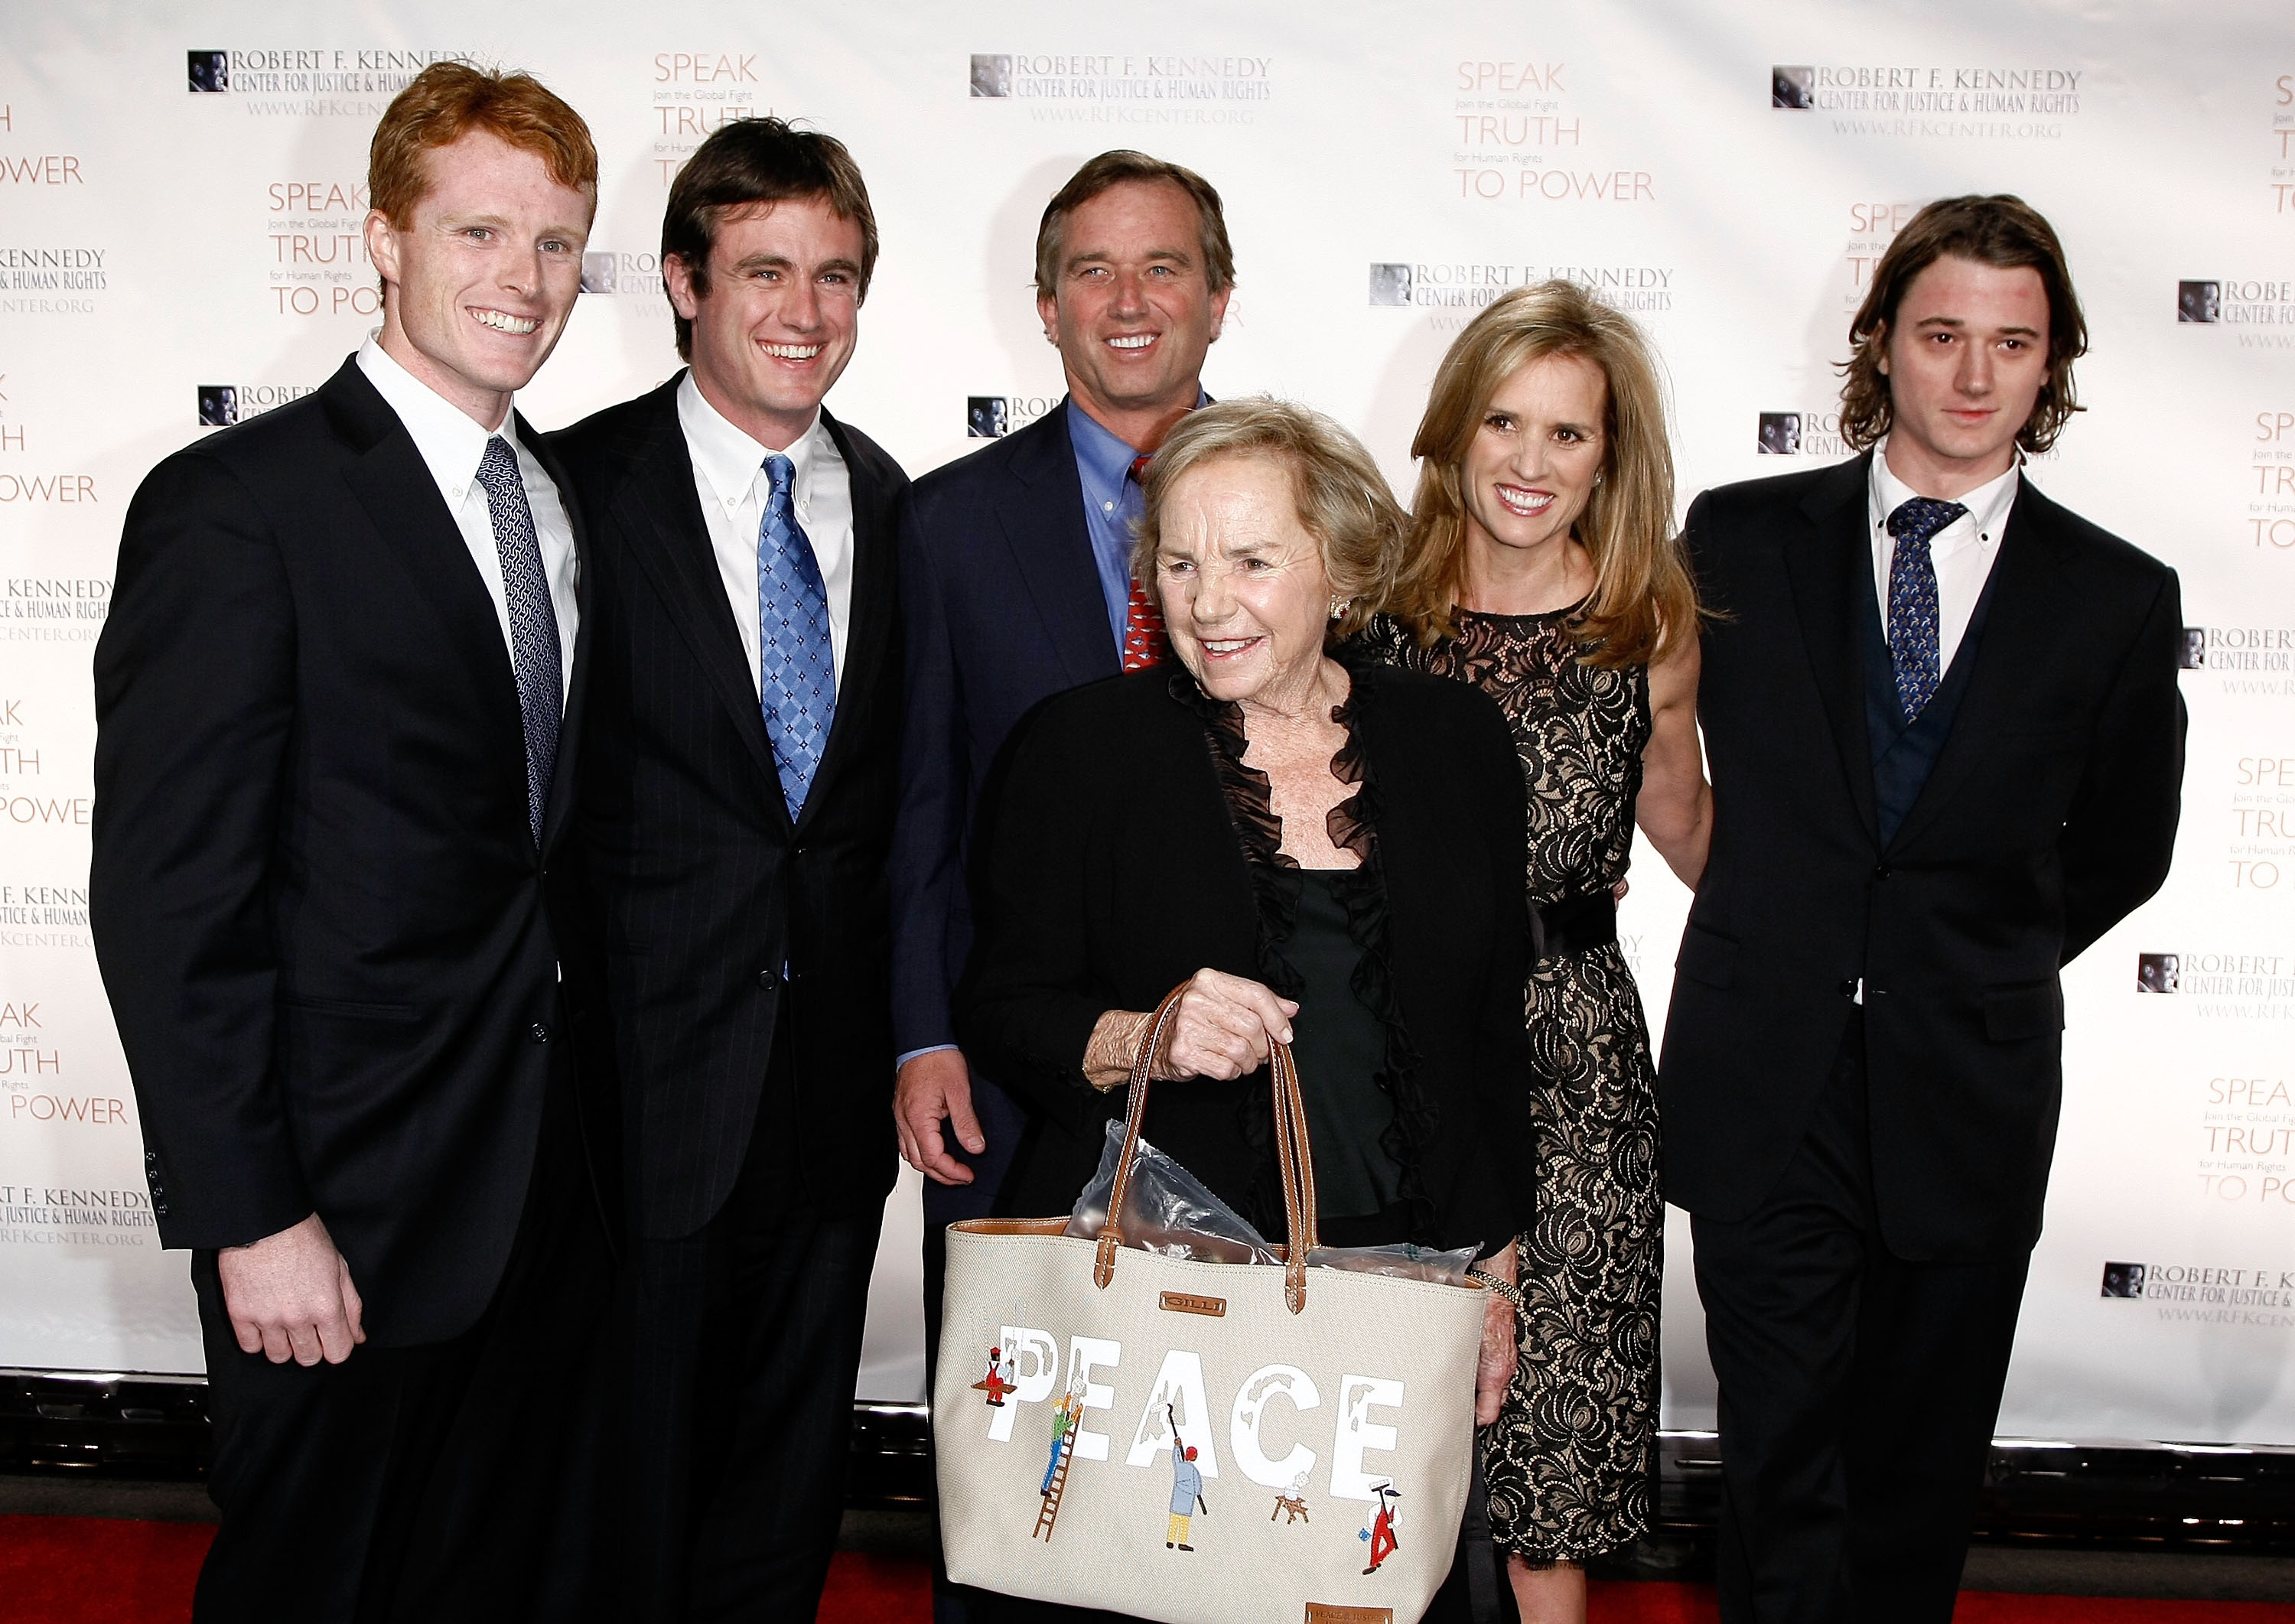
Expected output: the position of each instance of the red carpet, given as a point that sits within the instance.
(106, 1570)
(1625, 1603)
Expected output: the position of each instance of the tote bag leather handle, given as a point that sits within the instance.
(1293, 1152)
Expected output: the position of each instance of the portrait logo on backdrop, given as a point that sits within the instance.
(1811, 431)
(2157, 972)
(316, 81)
(610, 274)
(992, 417)
(992, 74)
(1151, 87)
(1466, 286)
(2239, 1292)
(1390, 284)
(2235, 301)
(1893, 99)
(222, 405)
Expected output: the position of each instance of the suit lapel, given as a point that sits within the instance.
(1824, 566)
(563, 777)
(659, 512)
(401, 499)
(869, 624)
(1052, 550)
(2012, 656)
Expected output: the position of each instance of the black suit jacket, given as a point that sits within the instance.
(1110, 872)
(1002, 604)
(2049, 814)
(709, 894)
(330, 945)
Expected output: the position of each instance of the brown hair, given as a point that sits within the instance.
(1644, 601)
(2004, 232)
(1111, 169)
(752, 161)
(444, 103)
(1337, 492)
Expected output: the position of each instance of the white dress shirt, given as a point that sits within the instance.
(729, 476)
(452, 445)
(1962, 551)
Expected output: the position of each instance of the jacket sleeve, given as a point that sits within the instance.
(2120, 836)
(194, 698)
(1028, 1003)
(927, 863)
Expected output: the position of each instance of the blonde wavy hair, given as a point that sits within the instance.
(1644, 603)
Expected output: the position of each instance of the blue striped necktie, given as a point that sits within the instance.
(534, 649)
(1913, 630)
(796, 663)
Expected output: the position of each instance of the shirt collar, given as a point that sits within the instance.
(450, 443)
(729, 461)
(1987, 504)
(1101, 458)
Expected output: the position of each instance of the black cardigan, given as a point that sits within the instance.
(1110, 869)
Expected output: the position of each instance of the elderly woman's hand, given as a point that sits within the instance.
(1221, 1030)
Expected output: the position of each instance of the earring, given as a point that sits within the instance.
(1339, 608)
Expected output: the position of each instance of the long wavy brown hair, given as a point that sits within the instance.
(2003, 231)
(1644, 601)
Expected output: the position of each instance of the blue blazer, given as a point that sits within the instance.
(1003, 610)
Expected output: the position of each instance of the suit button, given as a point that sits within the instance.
(768, 979)
(1848, 988)
(1880, 871)
(538, 1033)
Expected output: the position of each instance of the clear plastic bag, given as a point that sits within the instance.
(1168, 1210)
(1401, 1262)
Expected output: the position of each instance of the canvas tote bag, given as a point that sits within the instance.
(1324, 1419)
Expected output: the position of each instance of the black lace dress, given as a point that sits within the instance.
(1568, 1463)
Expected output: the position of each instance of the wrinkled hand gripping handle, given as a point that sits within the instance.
(1292, 1150)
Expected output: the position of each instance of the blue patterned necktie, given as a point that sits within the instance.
(1912, 601)
(795, 664)
(533, 646)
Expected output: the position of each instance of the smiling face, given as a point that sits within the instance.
(781, 316)
(1135, 312)
(1530, 470)
(1244, 595)
(1966, 357)
(479, 282)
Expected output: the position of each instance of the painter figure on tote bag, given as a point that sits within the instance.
(1327, 855)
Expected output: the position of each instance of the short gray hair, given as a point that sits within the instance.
(1339, 495)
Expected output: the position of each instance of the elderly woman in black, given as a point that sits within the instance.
(1326, 853)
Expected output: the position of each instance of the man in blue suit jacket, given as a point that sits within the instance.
(1016, 585)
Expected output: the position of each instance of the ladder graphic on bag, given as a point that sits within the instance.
(1058, 1484)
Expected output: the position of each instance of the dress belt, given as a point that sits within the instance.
(1574, 923)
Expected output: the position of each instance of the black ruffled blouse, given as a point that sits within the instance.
(1366, 1115)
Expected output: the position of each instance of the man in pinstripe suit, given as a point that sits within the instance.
(747, 678)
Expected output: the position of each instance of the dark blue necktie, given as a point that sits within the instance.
(1912, 601)
(795, 664)
(533, 646)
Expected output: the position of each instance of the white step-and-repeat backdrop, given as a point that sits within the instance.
(180, 192)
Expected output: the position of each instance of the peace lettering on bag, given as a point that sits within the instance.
(1180, 1390)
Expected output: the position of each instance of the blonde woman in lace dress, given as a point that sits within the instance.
(1543, 569)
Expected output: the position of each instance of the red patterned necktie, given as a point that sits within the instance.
(1144, 643)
